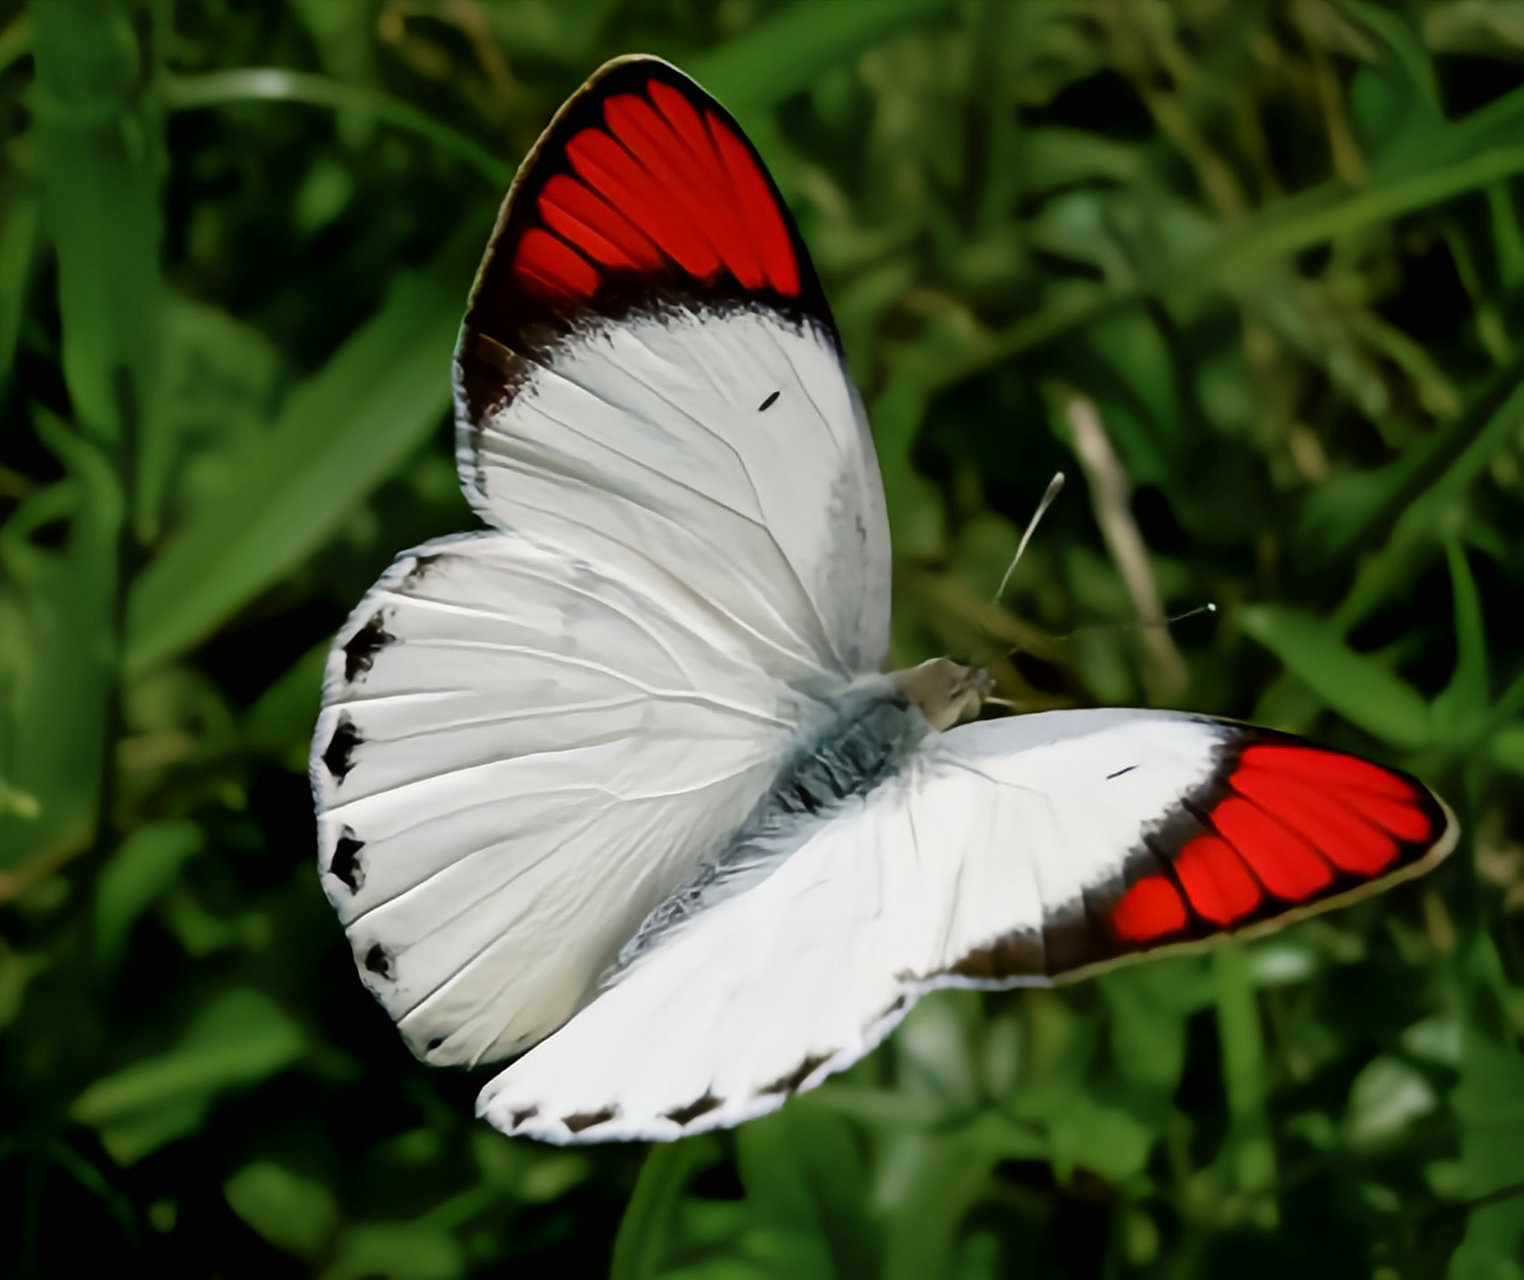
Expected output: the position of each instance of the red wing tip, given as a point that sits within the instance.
(648, 177)
(643, 196)
(1293, 828)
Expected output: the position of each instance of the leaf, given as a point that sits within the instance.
(1475, 153)
(641, 1246)
(17, 969)
(1493, 1245)
(1462, 158)
(398, 1251)
(57, 655)
(18, 250)
(101, 202)
(1489, 1102)
(1104, 1137)
(1055, 157)
(1147, 1027)
(1359, 688)
(1436, 511)
(1385, 1099)
(785, 54)
(1407, 46)
(1353, 505)
(1249, 1152)
(1508, 748)
(293, 1213)
(218, 378)
(570, 35)
(1139, 403)
(338, 435)
(941, 1179)
(280, 723)
(1465, 701)
(804, 1176)
(915, 510)
(145, 864)
(933, 1052)
(240, 1039)
(282, 84)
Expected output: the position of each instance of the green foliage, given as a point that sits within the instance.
(1251, 270)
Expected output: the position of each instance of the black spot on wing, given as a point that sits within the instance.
(379, 961)
(768, 403)
(693, 1110)
(346, 863)
(581, 1120)
(433, 1044)
(1120, 772)
(420, 568)
(796, 1077)
(522, 1114)
(361, 648)
(337, 754)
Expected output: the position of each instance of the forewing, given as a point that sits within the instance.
(1017, 851)
(647, 344)
(1142, 830)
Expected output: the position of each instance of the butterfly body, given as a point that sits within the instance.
(616, 783)
(873, 732)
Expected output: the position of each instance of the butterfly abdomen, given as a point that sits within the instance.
(867, 742)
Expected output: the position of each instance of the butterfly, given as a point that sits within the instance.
(617, 784)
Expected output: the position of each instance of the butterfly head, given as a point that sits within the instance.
(944, 691)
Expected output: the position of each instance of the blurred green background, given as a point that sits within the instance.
(1251, 271)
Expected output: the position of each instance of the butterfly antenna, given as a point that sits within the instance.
(1133, 625)
(1208, 607)
(1055, 486)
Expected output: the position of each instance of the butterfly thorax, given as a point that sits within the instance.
(945, 692)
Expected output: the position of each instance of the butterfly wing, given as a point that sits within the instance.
(1010, 852)
(648, 347)
(520, 753)
(531, 736)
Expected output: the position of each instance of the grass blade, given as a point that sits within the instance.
(337, 436)
(102, 208)
(640, 1248)
(57, 651)
(785, 55)
(279, 84)
(1358, 687)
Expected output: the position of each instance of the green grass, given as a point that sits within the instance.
(1276, 246)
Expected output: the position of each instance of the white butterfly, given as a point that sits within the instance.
(619, 777)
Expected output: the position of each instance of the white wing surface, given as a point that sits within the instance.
(1001, 853)
(520, 754)
(653, 427)
(533, 736)
(648, 350)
